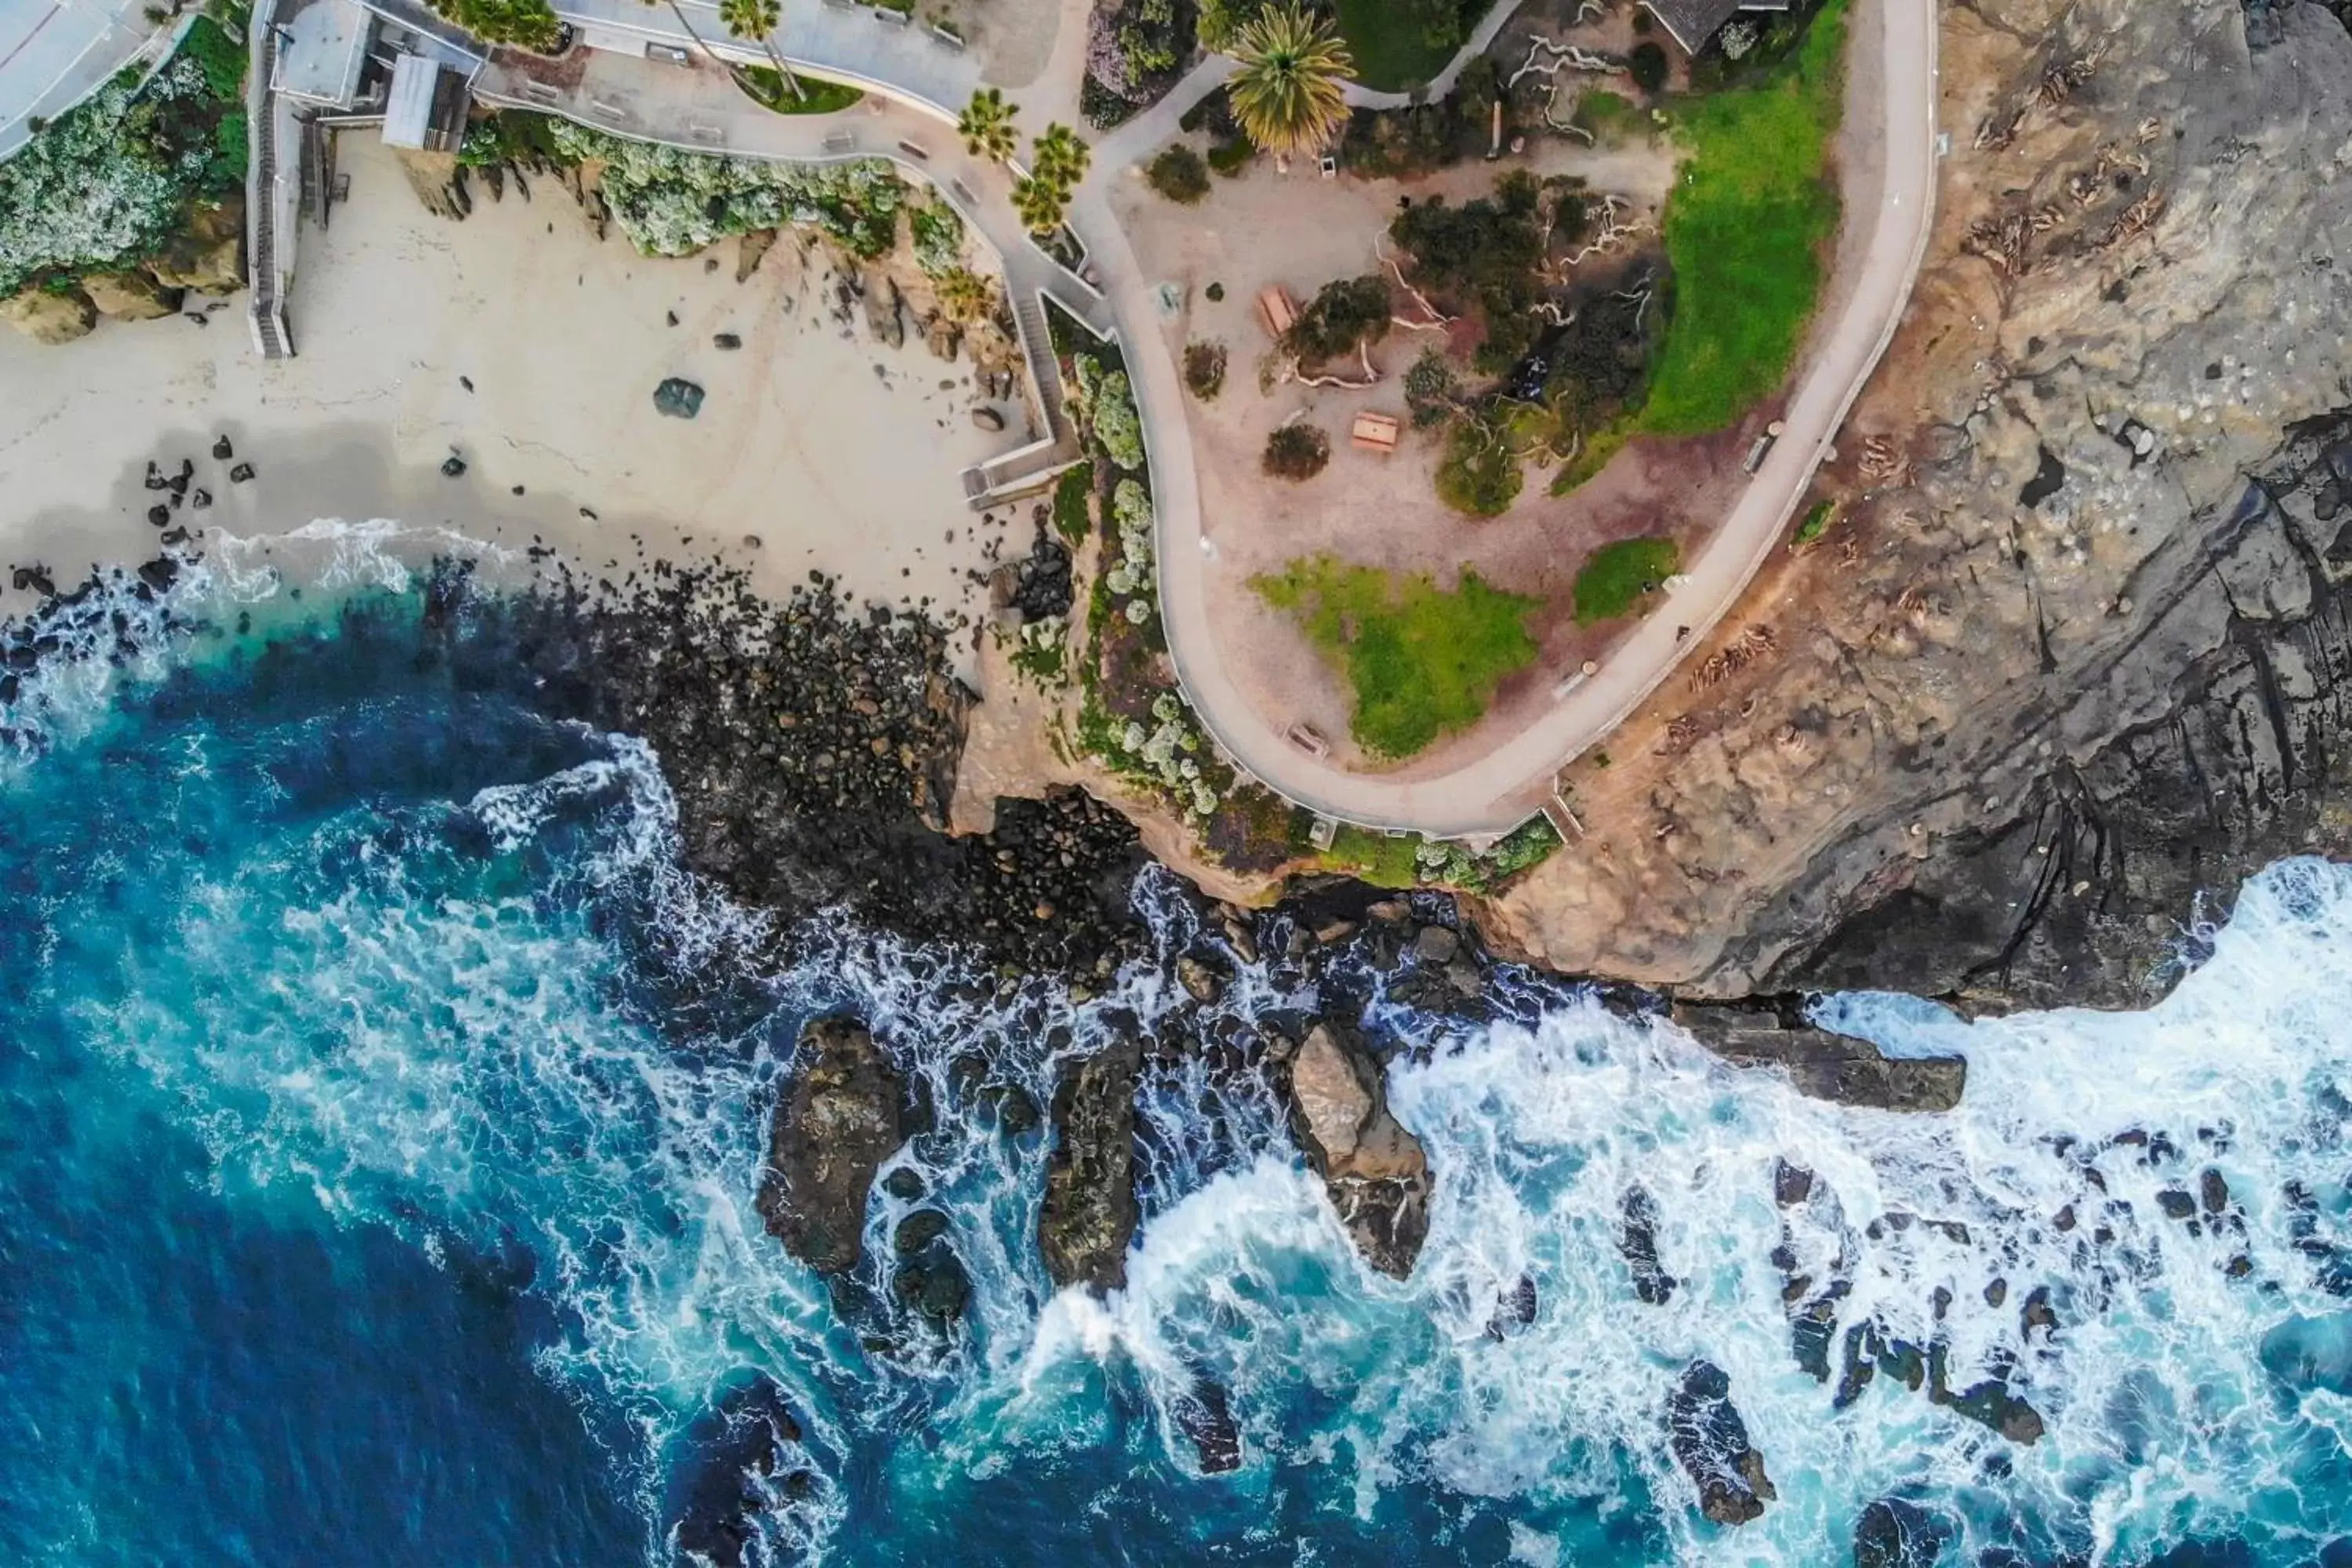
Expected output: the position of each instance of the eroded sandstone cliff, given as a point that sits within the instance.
(2075, 650)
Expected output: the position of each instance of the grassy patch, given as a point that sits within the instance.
(1744, 231)
(1390, 42)
(1375, 857)
(1608, 116)
(1816, 522)
(766, 88)
(1072, 491)
(1594, 456)
(1423, 662)
(1616, 575)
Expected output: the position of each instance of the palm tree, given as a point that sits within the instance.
(1060, 157)
(965, 296)
(1041, 204)
(986, 124)
(1290, 91)
(757, 19)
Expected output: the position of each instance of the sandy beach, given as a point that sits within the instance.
(830, 449)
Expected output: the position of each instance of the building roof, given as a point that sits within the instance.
(1694, 22)
(325, 49)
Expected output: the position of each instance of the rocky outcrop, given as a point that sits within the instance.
(1998, 747)
(745, 1449)
(206, 253)
(49, 315)
(1893, 1533)
(1089, 1212)
(1827, 1066)
(131, 296)
(1374, 1170)
(839, 1119)
(1710, 1443)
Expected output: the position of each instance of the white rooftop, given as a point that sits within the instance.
(408, 111)
(322, 52)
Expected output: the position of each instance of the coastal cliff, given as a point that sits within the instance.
(2071, 655)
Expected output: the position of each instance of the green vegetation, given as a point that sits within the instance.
(526, 23)
(1403, 44)
(1491, 251)
(1289, 87)
(818, 96)
(1606, 115)
(1230, 158)
(1375, 857)
(1423, 662)
(1480, 475)
(1296, 452)
(106, 185)
(513, 136)
(1647, 66)
(938, 235)
(1616, 575)
(673, 203)
(1058, 161)
(1072, 494)
(1816, 522)
(1204, 369)
(1343, 313)
(1743, 232)
(1179, 174)
(986, 126)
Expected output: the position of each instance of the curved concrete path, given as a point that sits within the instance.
(1509, 782)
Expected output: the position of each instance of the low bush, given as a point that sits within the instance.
(1342, 314)
(1204, 369)
(1480, 476)
(1648, 67)
(1229, 158)
(1297, 452)
(1179, 174)
(1072, 491)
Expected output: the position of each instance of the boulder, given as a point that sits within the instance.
(1089, 1214)
(677, 397)
(131, 296)
(1375, 1171)
(46, 317)
(1205, 1415)
(1823, 1065)
(739, 1447)
(839, 1119)
(1203, 984)
(1893, 1533)
(1710, 1442)
(208, 253)
(1637, 1239)
(986, 418)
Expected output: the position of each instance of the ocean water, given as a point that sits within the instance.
(381, 1109)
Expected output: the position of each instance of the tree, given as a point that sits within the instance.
(756, 19)
(1040, 205)
(1296, 452)
(1059, 158)
(1179, 174)
(1290, 91)
(1648, 65)
(1343, 313)
(965, 296)
(986, 125)
(526, 23)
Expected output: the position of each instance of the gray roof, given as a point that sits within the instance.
(1694, 22)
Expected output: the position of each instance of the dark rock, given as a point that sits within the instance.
(1089, 1212)
(935, 1286)
(837, 1121)
(2037, 1313)
(2176, 1204)
(1822, 1065)
(988, 419)
(677, 396)
(2048, 479)
(918, 1230)
(1710, 1442)
(1515, 1311)
(453, 466)
(1205, 1415)
(904, 1182)
(2212, 1190)
(202, 499)
(1437, 945)
(1637, 1239)
(1893, 1533)
(1200, 982)
(728, 341)
(159, 516)
(222, 450)
(1791, 1185)
(1988, 1403)
(1375, 1171)
(737, 1449)
(240, 472)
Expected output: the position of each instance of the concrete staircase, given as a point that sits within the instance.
(268, 311)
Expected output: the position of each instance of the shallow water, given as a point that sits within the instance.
(380, 1108)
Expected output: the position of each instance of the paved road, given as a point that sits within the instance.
(55, 53)
(1500, 789)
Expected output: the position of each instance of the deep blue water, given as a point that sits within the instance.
(379, 1111)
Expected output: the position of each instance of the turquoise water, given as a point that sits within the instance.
(380, 1108)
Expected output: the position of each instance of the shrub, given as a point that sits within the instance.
(1431, 390)
(1071, 493)
(526, 23)
(1229, 158)
(1480, 475)
(1297, 452)
(673, 203)
(1648, 65)
(1179, 174)
(1117, 431)
(1216, 292)
(1204, 369)
(1342, 314)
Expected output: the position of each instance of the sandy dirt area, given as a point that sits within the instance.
(826, 448)
(1383, 511)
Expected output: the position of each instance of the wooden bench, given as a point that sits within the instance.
(1275, 307)
(1374, 432)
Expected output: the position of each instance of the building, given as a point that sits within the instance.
(1694, 22)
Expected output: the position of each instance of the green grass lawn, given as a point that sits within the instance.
(1616, 575)
(1744, 230)
(1391, 52)
(1423, 662)
(764, 86)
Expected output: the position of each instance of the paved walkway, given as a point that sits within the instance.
(924, 82)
